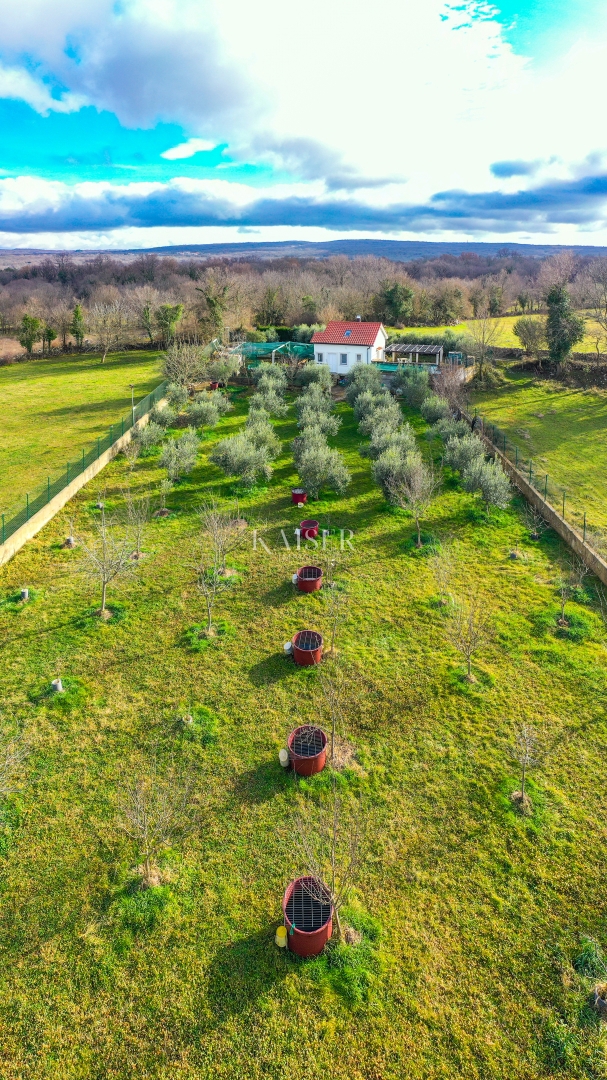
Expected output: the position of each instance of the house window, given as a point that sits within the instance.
(348, 333)
(359, 357)
(319, 357)
(343, 359)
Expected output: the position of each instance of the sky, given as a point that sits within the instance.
(141, 123)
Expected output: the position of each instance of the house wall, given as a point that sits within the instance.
(332, 353)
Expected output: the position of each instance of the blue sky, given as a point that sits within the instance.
(149, 122)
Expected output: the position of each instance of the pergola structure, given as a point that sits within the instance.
(414, 353)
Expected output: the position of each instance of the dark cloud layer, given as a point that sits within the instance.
(577, 202)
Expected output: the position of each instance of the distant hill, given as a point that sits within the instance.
(397, 250)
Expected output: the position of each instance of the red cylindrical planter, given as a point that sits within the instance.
(309, 529)
(307, 749)
(307, 648)
(309, 578)
(298, 495)
(308, 914)
(214, 386)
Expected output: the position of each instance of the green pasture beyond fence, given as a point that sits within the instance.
(566, 503)
(30, 504)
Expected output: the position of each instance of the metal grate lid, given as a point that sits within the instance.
(308, 907)
(308, 741)
(307, 640)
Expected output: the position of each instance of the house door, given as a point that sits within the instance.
(332, 358)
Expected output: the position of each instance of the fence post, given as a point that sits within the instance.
(563, 506)
(3, 530)
(48, 489)
(546, 488)
(111, 434)
(98, 449)
(67, 473)
(122, 432)
(27, 507)
(530, 471)
(83, 459)
(584, 526)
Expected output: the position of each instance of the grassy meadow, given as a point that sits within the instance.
(476, 973)
(52, 408)
(506, 337)
(561, 428)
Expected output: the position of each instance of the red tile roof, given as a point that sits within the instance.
(348, 333)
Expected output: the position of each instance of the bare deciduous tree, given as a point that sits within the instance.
(468, 629)
(442, 565)
(154, 811)
(225, 528)
(329, 836)
(525, 753)
(13, 752)
(131, 452)
(106, 556)
(209, 579)
(484, 332)
(414, 489)
(109, 323)
(138, 516)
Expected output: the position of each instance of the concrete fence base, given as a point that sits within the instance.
(571, 536)
(47, 513)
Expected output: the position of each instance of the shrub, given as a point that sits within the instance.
(202, 414)
(329, 425)
(415, 385)
(313, 374)
(177, 396)
(449, 428)
(368, 400)
(384, 436)
(392, 466)
(314, 397)
(270, 372)
(320, 467)
(163, 415)
(239, 457)
(261, 433)
(434, 408)
(149, 436)
(179, 455)
(363, 377)
(490, 480)
(272, 402)
(220, 400)
(462, 453)
(221, 370)
(310, 438)
(386, 414)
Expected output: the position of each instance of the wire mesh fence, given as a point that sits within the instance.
(565, 501)
(31, 503)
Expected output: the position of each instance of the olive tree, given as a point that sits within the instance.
(179, 455)
(239, 457)
(465, 452)
(490, 481)
(435, 408)
(321, 467)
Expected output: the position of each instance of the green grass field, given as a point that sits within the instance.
(506, 336)
(482, 912)
(562, 429)
(51, 409)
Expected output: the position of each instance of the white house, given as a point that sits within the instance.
(344, 344)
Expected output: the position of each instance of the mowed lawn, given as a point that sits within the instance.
(51, 409)
(483, 913)
(563, 431)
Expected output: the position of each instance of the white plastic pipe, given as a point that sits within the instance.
(25, 594)
(283, 757)
(294, 579)
(288, 647)
(57, 686)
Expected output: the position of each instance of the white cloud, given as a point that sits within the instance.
(426, 94)
(187, 149)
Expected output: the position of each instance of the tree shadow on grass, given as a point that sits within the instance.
(243, 971)
(263, 781)
(274, 668)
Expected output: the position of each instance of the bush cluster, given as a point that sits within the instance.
(318, 465)
(248, 456)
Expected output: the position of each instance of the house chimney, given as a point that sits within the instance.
(359, 318)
